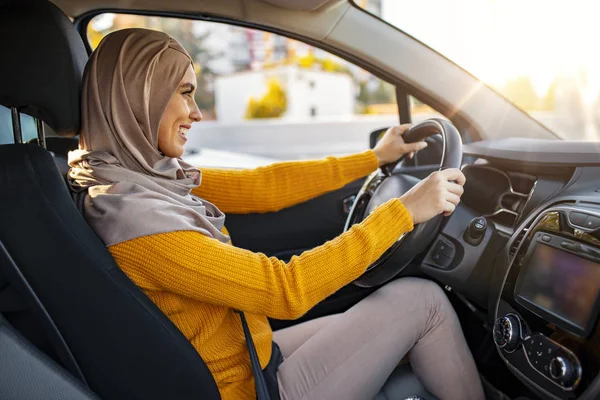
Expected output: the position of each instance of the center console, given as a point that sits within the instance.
(546, 328)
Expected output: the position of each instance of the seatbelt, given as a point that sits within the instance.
(262, 392)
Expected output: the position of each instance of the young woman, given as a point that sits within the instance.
(163, 222)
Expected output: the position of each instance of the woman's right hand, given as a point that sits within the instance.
(438, 193)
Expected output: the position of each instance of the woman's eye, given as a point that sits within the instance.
(189, 94)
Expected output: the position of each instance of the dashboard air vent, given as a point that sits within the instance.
(514, 247)
(498, 195)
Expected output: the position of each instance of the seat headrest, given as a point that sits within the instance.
(43, 58)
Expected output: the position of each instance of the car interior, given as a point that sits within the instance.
(519, 258)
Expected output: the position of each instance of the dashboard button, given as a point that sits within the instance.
(443, 261)
(507, 332)
(552, 360)
(443, 253)
(570, 246)
(447, 250)
(577, 218)
(546, 238)
(592, 222)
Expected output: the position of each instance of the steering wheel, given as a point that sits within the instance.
(382, 186)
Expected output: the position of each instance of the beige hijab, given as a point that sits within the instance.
(133, 189)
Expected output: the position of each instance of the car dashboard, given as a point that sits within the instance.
(525, 245)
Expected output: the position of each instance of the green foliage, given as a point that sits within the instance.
(272, 105)
(384, 93)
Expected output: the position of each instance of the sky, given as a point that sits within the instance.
(498, 40)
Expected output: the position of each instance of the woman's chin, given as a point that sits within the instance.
(173, 153)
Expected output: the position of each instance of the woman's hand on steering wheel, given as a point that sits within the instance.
(392, 146)
(438, 193)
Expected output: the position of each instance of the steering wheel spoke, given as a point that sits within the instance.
(382, 186)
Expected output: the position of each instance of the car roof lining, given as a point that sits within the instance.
(315, 19)
(74, 8)
(303, 5)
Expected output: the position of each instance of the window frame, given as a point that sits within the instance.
(403, 89)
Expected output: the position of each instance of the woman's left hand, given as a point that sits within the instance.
(392, 146)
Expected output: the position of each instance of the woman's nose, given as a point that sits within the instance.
(196, 115)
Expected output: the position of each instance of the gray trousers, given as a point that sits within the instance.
(351, 355)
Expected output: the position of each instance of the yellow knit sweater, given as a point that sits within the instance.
(198, 281)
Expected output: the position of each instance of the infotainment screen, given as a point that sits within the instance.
(562, 284)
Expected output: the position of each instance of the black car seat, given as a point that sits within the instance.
(124, 346)
(60, 147)
(28, 374)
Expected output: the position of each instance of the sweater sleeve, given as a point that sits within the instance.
(196, 266)
(281, 185)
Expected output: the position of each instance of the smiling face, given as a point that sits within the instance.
(181, 112)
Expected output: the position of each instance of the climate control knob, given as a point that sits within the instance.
(564, 371)
(507, 332)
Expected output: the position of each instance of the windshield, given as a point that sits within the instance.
(540, 54)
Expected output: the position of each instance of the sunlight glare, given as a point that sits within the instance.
(498, 40)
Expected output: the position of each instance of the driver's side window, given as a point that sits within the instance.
(267, 98)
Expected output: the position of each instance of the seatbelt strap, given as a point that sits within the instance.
(262, 392)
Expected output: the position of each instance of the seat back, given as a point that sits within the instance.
(60, 147)
(124, 345)
(26, 373)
